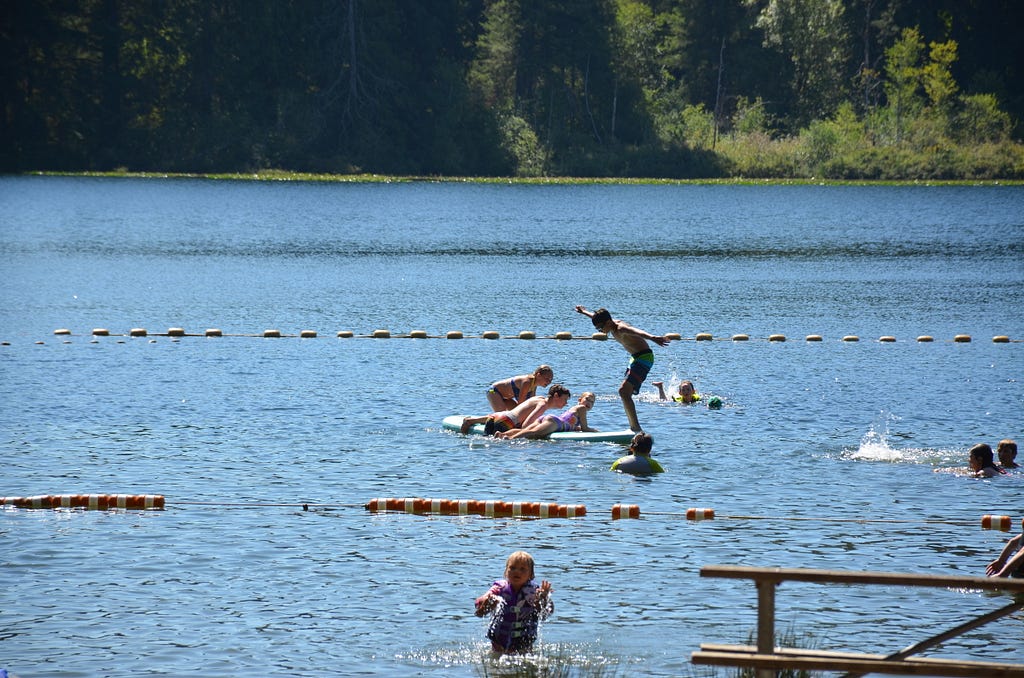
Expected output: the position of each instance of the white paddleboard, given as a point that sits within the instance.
(454, 423)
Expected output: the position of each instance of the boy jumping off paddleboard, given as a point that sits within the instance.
(634, 340)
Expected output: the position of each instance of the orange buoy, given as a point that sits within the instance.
(700, 513)
(489, 509)
(572, 510)
(625, 511)
(95, 502)
(990, 522)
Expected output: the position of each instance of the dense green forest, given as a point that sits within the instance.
(843, 89)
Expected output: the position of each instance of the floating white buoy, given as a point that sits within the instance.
(527, 334)
(1001, 339)
(962, 338)
(100, 332)
(345, 334)
(851, 337)
(813, 337)
(924, 338)
(741, 337)
(704, 336)
(137, 332)
(454, 334)
(563, 336)
(381, 334)
(490, 334)
(777, 337)
(272, 334)
(176, 332)
(418, 334)
(214, 332)
(887, 339)
(307, 334)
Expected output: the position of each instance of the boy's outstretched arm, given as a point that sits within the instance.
(584, 311)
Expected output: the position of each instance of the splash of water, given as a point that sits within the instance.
(877, 445)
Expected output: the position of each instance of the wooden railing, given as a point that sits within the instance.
(766, 658)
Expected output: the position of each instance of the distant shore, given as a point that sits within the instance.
(283, 175)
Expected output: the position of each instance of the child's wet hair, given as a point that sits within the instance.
(520, 556)
(558, 389)
(983, 453)
(641, 443)
(1007, 447)
(600, 317)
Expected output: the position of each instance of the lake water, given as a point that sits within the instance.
(833, 454)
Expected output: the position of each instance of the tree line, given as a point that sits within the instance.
(847, 89)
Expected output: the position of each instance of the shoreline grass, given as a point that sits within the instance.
(271, 175)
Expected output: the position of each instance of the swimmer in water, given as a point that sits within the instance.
(638, 461)
(685, 392)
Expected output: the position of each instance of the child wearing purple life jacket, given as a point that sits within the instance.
(517, 605)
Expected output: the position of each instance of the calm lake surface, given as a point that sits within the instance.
(833, 454)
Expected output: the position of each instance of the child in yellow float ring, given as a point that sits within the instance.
(638, 461)
(685, 392)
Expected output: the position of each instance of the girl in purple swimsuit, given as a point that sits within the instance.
(573, 419)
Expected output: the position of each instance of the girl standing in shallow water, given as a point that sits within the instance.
(518, 606)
